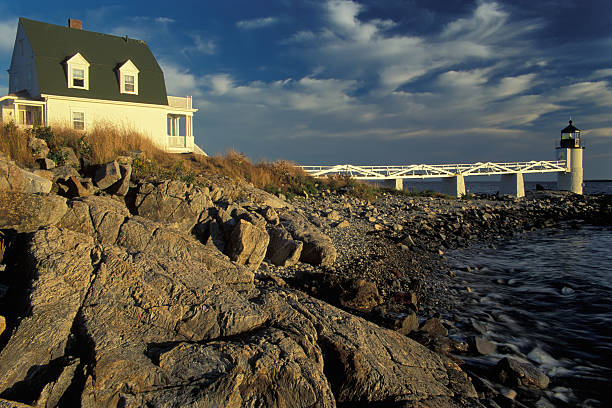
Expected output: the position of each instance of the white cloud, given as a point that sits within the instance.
(602, 73)
(201, 46)
(164, 20)
(257, 23)
(179, 82)
(8, 29)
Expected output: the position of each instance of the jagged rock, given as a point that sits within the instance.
(482, 346)
(69, 158)
(107, 174)
(63, 173)
(4, 403)
(282, 250)
(173, 203)
(248, 244)
(14, 178)
(122, 186)
(270, 215)
(45, 164)
(62, 272)
(364, 363)
(75, 188)
(434, 327)
(54, 390)
(2, 324)
(99, 217)
(409, 324)
(516, 373)
(361, 295)
(318, 248)
(38, 147)
(27, 212)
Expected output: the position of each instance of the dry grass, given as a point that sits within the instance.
(14, 143)
(105, 142)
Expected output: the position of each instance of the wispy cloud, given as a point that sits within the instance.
(257, 23)
(164, 20)
(180, 81)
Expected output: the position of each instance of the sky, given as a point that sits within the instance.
(372, 82)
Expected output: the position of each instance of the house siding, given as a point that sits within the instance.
(148, 120)
(22, 73)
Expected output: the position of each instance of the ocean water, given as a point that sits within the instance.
(546, 297)
(490, 185)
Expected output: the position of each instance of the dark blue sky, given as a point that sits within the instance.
(373, 82)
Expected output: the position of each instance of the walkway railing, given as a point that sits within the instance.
(437, 170)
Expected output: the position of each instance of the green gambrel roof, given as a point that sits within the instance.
(53, 45)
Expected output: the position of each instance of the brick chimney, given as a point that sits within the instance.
(73, 23)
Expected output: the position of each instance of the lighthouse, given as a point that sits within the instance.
(570, 149)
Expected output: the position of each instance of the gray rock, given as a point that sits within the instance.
(282, 249)
(28, 212)
(248, 244)
(38, 147)
(520, 373)
(70, 159)
(361, 295)
(45, 164)
(62, 272)
(107, 174)
(63, 173)
(434, 327)
(365, 363)
(409, 324)
(53, 391)
(483, 346)
(122, 186)
(14, 178)
(173, 203)
(318, 248)
(75, 188)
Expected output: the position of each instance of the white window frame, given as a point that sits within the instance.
(74, 120)
(77, 62)
(126, 70)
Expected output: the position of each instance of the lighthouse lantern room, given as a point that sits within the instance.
(570, 149)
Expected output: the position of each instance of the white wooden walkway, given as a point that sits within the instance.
(422, 171)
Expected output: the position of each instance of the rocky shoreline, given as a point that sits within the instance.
(118, 292)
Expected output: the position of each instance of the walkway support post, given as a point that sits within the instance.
(512, 184)
(396, 184)
(454, 186)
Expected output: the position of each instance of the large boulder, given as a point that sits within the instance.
(25, 212)
(248, 244)
(283, 250)
(361, 295)
(107, 175)
(173, 203)
(513, 372)
(364, 363)
(318, 248)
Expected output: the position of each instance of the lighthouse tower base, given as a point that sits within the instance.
(572, 179)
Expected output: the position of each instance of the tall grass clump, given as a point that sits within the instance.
(14, 143)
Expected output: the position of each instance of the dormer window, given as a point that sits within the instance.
(78, 78)
(128, 78)
(77, 68)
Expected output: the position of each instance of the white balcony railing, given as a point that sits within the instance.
(177, 141)
(180, 102)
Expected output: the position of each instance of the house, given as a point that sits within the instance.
(70, 76)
